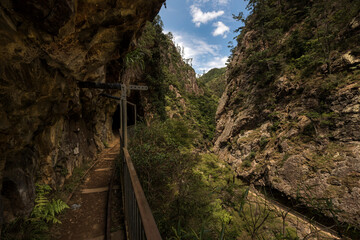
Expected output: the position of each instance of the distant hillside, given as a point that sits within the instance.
(214, 80)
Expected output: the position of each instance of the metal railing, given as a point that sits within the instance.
(140, 223)
(139, 220)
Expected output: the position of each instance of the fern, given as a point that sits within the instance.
(20, 229)
(36, 227)
(45, 210)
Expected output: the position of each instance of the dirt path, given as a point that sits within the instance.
(86, 217)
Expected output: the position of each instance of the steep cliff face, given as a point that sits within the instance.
(47, 124)
(173, 88)
(289, 117)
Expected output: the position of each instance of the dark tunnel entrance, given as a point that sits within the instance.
(116, 120)
(134, 99)
(131, 114)
(130, 117)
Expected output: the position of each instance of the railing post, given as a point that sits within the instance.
(141, 224)
(121, 132)
(124, 115)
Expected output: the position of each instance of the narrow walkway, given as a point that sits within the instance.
(86, 217)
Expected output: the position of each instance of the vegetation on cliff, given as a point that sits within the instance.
(289, 117)
(298, 37)
(192, 194)
(214, 80)
(290, 114)
(197, 196)
(174, 91)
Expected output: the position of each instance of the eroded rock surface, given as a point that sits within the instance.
(48, 125)
(293, 150)
(295, 134)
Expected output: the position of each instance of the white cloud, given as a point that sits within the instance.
(214, 2)
(221, 29)
(198, 2)
(223, 2)
(216, 62)
(205, 56)
(199, 16)
(195, 47)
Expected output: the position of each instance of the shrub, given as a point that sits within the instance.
(251, 156)
(246, 163)
(263, 142)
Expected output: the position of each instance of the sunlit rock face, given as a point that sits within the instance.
(48, 125)
(296, 134)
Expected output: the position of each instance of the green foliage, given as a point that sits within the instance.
(275, 126)
(247, 161)
(75, 180)
(203, 109)
(263, 142)
(36, 226)
(135, 57)
(252, 155)
(214, 80)
(44, 209)
(21, 229)
(162, 159)
(325, 119)
(148, 55)
(203, 106)
(187, 192)
(298, 37)
(196, 196)
(289, 235)
(255, 215)
(163, 67)
(239, 17)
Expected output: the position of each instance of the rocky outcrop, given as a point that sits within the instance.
(48, 125)
(191, 84)
(290, 130)
(295, 152)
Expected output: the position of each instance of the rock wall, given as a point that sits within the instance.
(294, 133)
(48, 125)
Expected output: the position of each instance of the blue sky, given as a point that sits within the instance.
(203, 28)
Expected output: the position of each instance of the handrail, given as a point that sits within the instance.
(140, 221)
